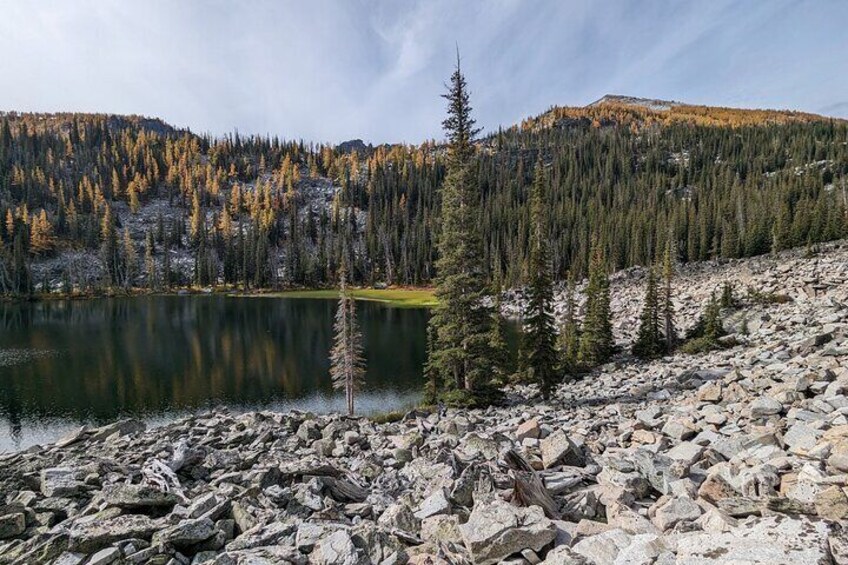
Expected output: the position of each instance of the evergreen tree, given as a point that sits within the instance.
(130, 260)
(596, 340)
(501, 355)
(649, 343)
(540, 332)
(460, 360)
(150, 262)
(667, 306)
(569, 334)
(347, 366)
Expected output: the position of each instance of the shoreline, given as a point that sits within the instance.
(410, 297)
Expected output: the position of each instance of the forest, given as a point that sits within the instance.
(92, 203)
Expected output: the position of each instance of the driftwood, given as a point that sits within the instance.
(529, 489)
(343, 490)
(160, 476)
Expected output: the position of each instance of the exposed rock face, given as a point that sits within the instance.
(734, 456)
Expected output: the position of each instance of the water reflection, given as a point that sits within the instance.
(63, 363)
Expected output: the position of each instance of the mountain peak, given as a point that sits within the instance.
(649, 103)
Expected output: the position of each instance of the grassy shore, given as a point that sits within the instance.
(398, 297)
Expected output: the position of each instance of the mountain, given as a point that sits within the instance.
(648, 103)
(93, 201)
(619, 110)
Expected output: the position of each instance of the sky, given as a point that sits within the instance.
(329, 71)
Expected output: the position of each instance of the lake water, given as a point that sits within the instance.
(64, 363)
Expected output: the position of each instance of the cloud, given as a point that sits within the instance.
(329, 71)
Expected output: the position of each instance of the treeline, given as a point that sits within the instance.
(250, 210)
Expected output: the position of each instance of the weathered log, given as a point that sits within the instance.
(343, 490)
(528, 489)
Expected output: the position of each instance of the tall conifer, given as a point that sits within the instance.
(459, 361)
(649, 343)
(540, 334)
(596, 341)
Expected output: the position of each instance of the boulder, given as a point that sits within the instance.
(12, 525)
(496, 530)
(400, 516)
(436, 503)
(765, 406)
(337, 549)
(831, 503)
(775, 540)
(557, 448)
(187, 533)
(528, 430)
(95, 534)
(60, 482)
(603, 549)
(677, 509)
(136, 497)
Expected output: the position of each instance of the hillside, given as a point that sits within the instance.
(91, 202)
(614, 109)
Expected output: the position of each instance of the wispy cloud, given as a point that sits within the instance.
(328, 70)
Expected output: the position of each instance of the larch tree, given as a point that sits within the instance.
(460, 360)
(540, 334)
(347, 364)
(596, 340)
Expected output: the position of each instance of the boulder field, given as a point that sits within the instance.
(733, 456)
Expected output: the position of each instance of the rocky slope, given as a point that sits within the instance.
(735, 456)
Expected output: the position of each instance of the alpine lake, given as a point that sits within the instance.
(65, 363)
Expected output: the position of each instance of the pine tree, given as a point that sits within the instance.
(596, 340)
(669, 331)
(109, 250)
(347, 366)
(540, 334)
(649, 343)
(150, 262)
(130, 260)
(501, 355)
(569, 334)
(460, 359)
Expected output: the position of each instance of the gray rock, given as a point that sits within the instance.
(135, 497)
(557, 448)
(603, 548)
(337, 549)
(800, 438)
(186, 533)
(60, 482)
(765, 406)
(400, 516)
(496, 530)
(436, 503)
(677, 509)
(776, 540)
(686, 452)
(104, 556)
(95, 534)
(12, 525)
